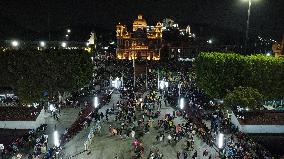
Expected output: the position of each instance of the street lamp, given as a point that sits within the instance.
(220, 140)
(96, 102)
(64, 44)
(209, 41)
(68, 30)
(162, 84)
(15, 43)
(181, 103)
(42, 44)
(56, 138)
(247, 29)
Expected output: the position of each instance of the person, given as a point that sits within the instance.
(194, 155)
(101, 116)
(185, 155)
(157, 138)
(86, 145)
(205, 152)
(178, 155)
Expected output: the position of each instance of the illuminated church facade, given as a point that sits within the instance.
(143, 42)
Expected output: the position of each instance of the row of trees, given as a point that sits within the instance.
(219, 73)
(34, 74)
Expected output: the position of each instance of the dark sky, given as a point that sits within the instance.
(267, 17)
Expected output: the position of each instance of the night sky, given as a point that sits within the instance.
(267, 16)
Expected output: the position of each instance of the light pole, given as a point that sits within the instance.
(134, 71)
(15, 43)
(96, 102)
(181, 103)
(248, 19)
(220, 143)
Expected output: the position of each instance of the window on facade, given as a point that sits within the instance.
(126, 43)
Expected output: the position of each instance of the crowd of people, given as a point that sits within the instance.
(209, 125)
(138, 111)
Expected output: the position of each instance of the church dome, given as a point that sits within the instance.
(139, 23)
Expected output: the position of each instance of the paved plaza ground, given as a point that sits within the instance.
(105, 146)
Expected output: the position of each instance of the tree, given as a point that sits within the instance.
(31, 72)
(245, 97)
(219, 73)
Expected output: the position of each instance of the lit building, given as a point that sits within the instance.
(143, 42)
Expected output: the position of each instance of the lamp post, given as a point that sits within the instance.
(63, 44)
(181, 103)
(15, 43)
(42, 44)
(134, 71)
(56, 138)
(220, 142)
(96, 102)
(248, 20)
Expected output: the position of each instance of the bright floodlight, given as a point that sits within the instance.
(116, 84)
(268, 54)
(167, 84)
(209, 41)
(181, 103)
(56, 138)
(15, 43)
(220, 140)
(63, 44)
(42, 44)
(96, 102)
(68, 31)
(162, 84)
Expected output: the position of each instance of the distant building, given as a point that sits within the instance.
(143, 42)
(278, 48)
(169, 23)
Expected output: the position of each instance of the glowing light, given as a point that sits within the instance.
(68, 31)
(42, 44)
(220, 140)
(64, 44)
(162, 84)
(56, 138)
(96, 102)
(66, 35)
(15, 43)
(209, 41)
(181, 103)
(268, 54)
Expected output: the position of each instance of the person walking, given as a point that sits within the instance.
(185, 155)
(178, 155)
(194, 155)
(205, 152)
